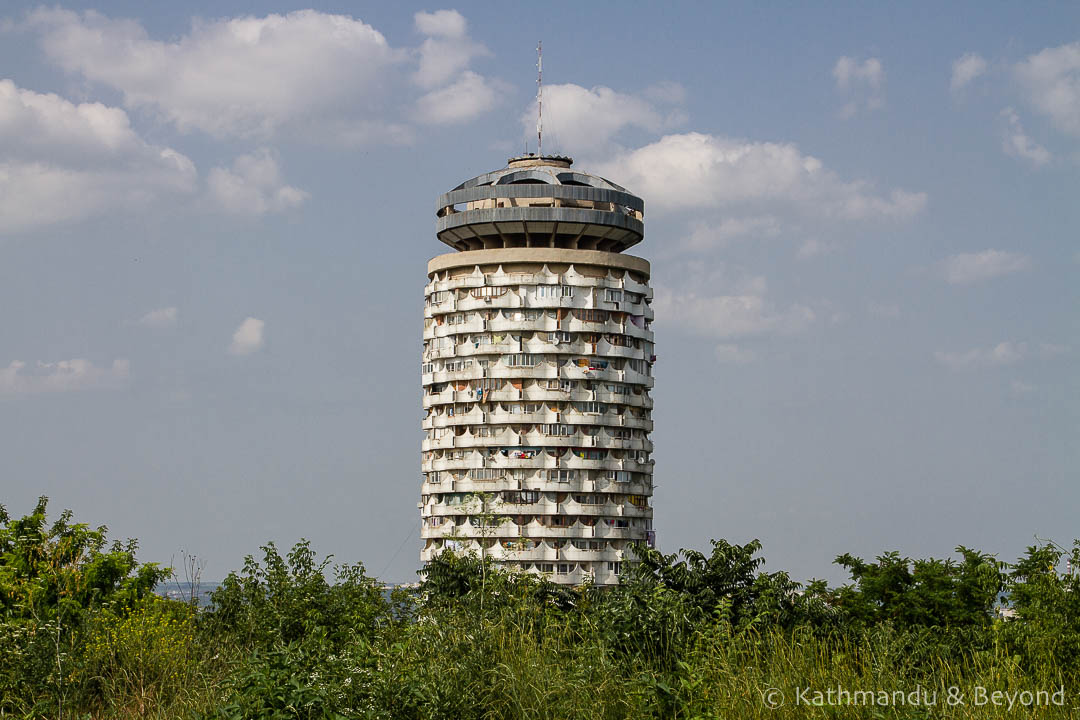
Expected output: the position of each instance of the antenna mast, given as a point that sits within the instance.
(540, 98)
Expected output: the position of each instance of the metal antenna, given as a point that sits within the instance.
(540, 98)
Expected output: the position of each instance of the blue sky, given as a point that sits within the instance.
(862, 219)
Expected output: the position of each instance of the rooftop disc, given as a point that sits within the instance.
(539, 201)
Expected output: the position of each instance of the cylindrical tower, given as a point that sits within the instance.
(537, 369)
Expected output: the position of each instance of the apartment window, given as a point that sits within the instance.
(456, 319)
(567, 291)
(438, 297)
(615, 567)
(564, 568)
(522, 360)
(591, 408)
(485, 473)
(620, 433)
(427, 369)
(561, 475)
(588, 499)
(592, 315)
(521, 497)
(613, 295)
(545, 567)
(488, 292)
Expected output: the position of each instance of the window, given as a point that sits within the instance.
(588, 499)
(545, 567)
(427, 369)
(562, 475)
(485, 473)
(613, 295)
(615, 567)
(455, 365)
(522, 360)
(434, 477)
(456, 319)
(521, 497)
(591, 408)
(619, 433)
(592, 315)
(554, 291)
(556, 430)
(565, 568)
(488, 292)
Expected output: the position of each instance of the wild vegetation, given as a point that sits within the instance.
(692, 635)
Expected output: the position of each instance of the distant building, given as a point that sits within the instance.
(537, 370)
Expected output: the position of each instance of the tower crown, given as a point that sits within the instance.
(538, 201)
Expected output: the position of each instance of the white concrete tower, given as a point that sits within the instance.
(537, 367)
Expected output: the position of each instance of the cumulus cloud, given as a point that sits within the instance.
(711, 301)
(968, 268)
(1004, 353)
(160, 318)
(447, 51)
(863, 81)
(253, 186)
(731, 354)
(454, 94)
(62, 162)
(469, 96)
(578, 120)
(1051, 81)
(62, 376)
(248, 338)
(705, 235)
(324, 76)
(966, 68)
(695, 170)
(1017, 144)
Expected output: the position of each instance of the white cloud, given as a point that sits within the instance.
(454, 94)
(1051, 81)
(1004, 353)
(581, 121)
(447, 50)
(730, 316)
(323, 76)
(966, 68)
(62, 376)
(469, 96)
(160, 318)
(813, 247)
(708, 235)
(968, 268)
(864, 81)
(1019, 387)
(248, 337)
(711, 301)
(731, 354)
(253, 186)
(883, 310)
(1017, 144)
(62, 162)
(696, 170)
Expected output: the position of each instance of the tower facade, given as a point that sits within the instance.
(537, 371)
